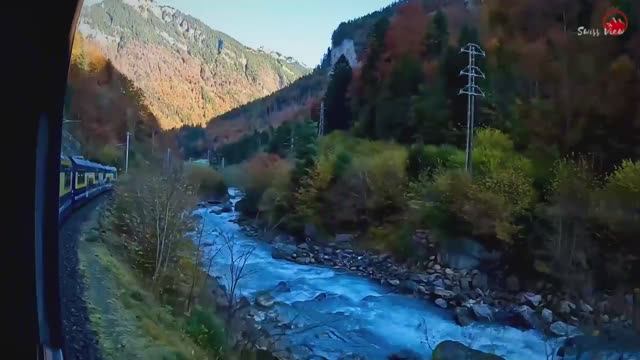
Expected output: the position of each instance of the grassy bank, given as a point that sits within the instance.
(131, 323)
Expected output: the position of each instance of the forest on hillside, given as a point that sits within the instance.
(556, 169)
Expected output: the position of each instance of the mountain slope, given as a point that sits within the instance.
(189, 72)
(301, 99)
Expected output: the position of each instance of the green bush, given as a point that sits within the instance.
(394, 238)
(206, 331)
(209, 182)
(417, 161)
(618, 203)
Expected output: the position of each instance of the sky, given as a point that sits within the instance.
(301, 29)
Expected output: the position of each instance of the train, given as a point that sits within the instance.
(80, 181)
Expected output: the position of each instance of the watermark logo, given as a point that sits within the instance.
(614, 23)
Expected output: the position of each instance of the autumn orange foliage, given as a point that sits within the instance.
(405, 35)
(105, 102)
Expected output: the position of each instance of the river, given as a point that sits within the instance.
(357, 315)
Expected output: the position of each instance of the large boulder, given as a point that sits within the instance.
(482, 312)
(560, 328)
(526, 317)
(453, 350)
(466, 254)
(282, 287)
(531, 298)
(463, 316)
(405, 355)
(447, 294)
(547, 315)
(265, 300)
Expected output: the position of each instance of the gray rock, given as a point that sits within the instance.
(466, 254)
(531, 298)
(405, 355)
(265, 300)
(408, 286)
(560, 328)
(283, 251)
(304, 260)
(480, 281)
(527, 316)
(447, 294)
(282, 287)
(437, 267)
(463, 316)
(438, 283)
(441, 302)
(482, 312)
(547, 315)
(512, 283)
(303, 246)
(448, 271)
(453, 350)
(585, 307)
(565, 307)
(419, 278)
(422, 290)
(465, 284)
(343, 238)
(394, 282)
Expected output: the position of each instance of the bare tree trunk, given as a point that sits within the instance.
(196, 266)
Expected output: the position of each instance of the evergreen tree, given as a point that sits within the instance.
(337, 109)
(437, 35)
(365, 102)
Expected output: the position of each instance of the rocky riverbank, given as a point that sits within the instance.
(470, 294)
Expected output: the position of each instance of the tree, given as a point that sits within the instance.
(238, 257)
(367, 86)
(437, 37)
(337, 109)
(151, 212)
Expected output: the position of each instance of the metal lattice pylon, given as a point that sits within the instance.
(472, 90)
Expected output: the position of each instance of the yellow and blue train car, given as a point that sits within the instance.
(80, 181)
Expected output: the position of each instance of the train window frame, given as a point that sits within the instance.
(80, 178)
(67, 180)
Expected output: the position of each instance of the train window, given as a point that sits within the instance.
(67, 180)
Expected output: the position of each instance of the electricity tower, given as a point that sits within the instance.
(472, 90)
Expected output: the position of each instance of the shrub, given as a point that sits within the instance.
(257, 175)
(485, 213)
(417, 161)
(394, 238)
(618, 204)
(209, 182)
(206, 331)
